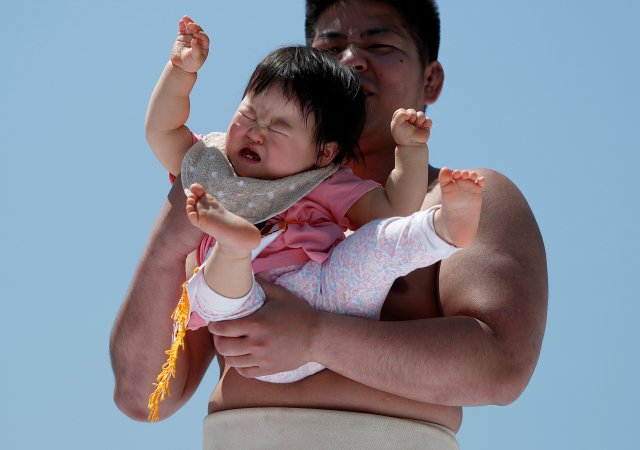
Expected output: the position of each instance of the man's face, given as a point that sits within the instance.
(371, 37)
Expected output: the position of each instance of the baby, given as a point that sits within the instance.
(302, 112)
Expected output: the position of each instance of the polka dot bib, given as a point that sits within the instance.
(253, 199)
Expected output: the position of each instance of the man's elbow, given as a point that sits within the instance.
(511, 383)
(132, 407)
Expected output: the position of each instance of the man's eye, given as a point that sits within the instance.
(246, 116)
(380, 47)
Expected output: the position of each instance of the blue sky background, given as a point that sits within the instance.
(544, 91)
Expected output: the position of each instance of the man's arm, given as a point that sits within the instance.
(143, 328)
(483, 351)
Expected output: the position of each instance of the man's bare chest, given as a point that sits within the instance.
(414, 296)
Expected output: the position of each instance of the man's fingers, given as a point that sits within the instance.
(229, 328)
(230, 346)
(272, 290)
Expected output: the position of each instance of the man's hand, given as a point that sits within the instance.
(180, 234)
(410, 127)
(278, 337)
(191, 48)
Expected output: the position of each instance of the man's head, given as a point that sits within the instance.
(421, 18)
(392, 45)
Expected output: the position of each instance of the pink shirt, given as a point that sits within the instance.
(320, 222)
(315, 224)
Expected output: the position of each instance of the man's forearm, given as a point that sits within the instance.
(448, 361)
(143, 328)
(493, 296)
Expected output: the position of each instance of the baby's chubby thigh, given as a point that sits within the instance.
(358, 274)
(350, 281)
(303, 280)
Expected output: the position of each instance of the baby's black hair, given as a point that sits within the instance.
(322, 87)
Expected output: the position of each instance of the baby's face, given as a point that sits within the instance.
(268, 137)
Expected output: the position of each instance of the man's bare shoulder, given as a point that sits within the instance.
(508, 237)
(505, 216)
(507, 224)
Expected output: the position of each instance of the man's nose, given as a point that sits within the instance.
(354, 57)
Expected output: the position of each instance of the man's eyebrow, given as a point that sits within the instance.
(332, 34)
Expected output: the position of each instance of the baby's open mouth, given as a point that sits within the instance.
(249, 154)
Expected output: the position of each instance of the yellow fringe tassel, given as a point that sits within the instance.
(180, 318)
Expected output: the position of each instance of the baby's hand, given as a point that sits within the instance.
(410, 127)
(191, 47)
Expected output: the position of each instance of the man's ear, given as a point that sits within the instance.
(433, 81)
(326, 154)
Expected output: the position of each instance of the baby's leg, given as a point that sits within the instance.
(293, 375)
(304, 281)
(209, 306)
(228, 268)
(458, 218)
(361, 269)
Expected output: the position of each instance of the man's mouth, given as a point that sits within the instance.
(250, 155)
(366, 88)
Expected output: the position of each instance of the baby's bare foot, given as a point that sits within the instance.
(457, 220)
(233, 233)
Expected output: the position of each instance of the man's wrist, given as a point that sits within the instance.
(318, 332)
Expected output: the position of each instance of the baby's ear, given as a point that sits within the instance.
(328, 151)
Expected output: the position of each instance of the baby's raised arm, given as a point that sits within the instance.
(407, 183)
(169, 105)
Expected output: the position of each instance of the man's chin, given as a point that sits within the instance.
(376, 138)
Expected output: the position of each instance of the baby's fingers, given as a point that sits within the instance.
(194, 28)
(201, 39)
(402, 115)
(183, 25)
(422, 121)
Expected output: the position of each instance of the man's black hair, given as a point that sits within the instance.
(323, 89)
(421, 17)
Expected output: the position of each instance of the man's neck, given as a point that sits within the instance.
(377, 165)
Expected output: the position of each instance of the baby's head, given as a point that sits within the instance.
(301, 109)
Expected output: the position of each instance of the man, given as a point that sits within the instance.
(465, 332)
